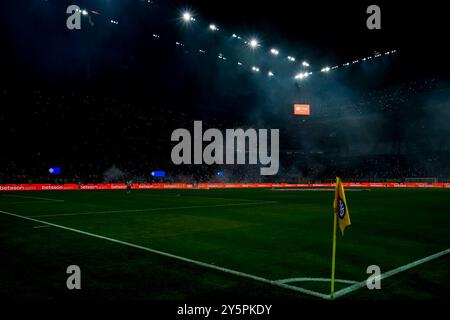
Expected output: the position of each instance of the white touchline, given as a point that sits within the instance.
(169, 255)
(30, 197)
(33, 201)
(150, 209)
(392, 272)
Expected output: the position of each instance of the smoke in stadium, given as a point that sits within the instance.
(223, 135)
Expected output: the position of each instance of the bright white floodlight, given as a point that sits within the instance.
(253, 43)
(274, 51)
(290, 58)
(270, 74)
(187, 17)
(305, 64)
(302, 75)
(326, 69)
(84, 12)
(213, 27)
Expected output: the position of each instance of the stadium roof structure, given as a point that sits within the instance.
(119, 39)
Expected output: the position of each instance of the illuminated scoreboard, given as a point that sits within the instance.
(302, 109)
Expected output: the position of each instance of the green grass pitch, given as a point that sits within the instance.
(270, 234)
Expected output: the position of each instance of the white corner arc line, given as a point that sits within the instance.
(150, 209)
(392, 272)
(169, 255)
(308, 279)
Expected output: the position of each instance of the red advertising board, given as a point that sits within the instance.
(122, 186)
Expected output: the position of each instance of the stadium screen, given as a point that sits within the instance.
(302, 109)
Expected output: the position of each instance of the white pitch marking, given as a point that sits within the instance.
(151, 209)
(44, 226)
(169, 255)
(32, 201)
(202, 197)
(30, 197)
(392, 272)
(303, 279)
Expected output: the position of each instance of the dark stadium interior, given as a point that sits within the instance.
(102, 102)
(324, 181)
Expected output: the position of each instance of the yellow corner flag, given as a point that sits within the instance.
(340, 206)
(340, 210)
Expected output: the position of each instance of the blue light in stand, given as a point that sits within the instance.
(159, 174)
(54, 170)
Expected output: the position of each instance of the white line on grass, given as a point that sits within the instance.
(30, 197)
(305, 279)
(32, 201)
(200, 197)
(44, 226)
(387, 274)
(169, 255)
(152, 209)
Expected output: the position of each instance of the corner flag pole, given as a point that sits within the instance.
(333, 258)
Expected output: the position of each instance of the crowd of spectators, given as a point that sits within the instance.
(98, 138)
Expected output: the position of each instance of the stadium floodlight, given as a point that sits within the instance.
(290, 58)
(326, 69)
(84, 12)
(187, 17)
(270, 74)
(274, 51)
(253, 43)
(256, 69)
(213, 27)
(239, 63)
(305, 64)
(302, 75)
(234, 35)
